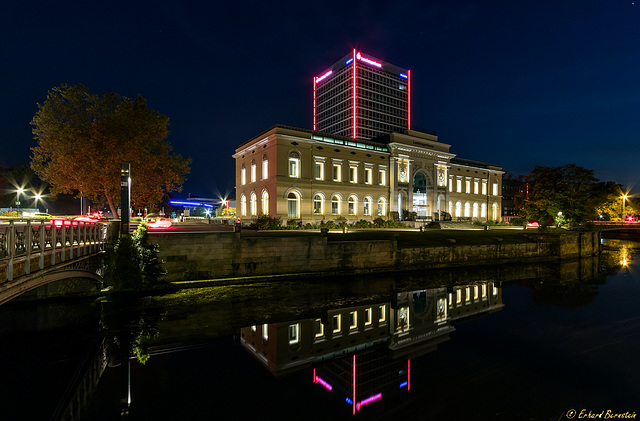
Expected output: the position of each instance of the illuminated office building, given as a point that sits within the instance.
(362, 97)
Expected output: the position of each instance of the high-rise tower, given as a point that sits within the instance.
(362, 97)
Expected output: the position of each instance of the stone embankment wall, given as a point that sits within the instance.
(228, 255)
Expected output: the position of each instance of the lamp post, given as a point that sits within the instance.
(20, 190)
(624, 197)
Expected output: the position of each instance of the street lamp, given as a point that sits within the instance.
(624, 197)
(20, 190)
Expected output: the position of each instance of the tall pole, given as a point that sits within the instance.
(125, 198)
(624, 197)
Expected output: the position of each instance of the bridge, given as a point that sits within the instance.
(36, 252)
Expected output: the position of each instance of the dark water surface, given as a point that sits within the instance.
(526, 342)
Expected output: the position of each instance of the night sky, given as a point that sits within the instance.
(514, 83)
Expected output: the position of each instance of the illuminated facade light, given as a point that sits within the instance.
(323, 383)
(404, 76)
(324, 76)
(368, 60)
(368, 401)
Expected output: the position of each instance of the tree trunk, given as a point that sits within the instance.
(112, 206)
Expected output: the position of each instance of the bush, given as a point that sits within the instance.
(478, 223)
(518, 222)
(379, 221)
(265, 222)
(362, 224)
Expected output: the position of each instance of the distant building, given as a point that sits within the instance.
(361, 160)
(511, 189)
(362, 97)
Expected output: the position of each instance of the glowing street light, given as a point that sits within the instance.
(624, 197)
(18, 192)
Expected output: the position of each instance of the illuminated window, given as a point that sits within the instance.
(368, 176)
(254, 204)
(382, 206)
(475, 292)
(403, 318)
(367, 206)
(265, 167)
(475, 187)
(335, 205)
(467, 186)
(475, 210)
(368, 316)
(243, 175)
(353, 174)
(293, 206)
(484, 187)
(495, 290)
(318, 328)
(352, 205)
(467, 294)
(319, 170)
(458, 208)
(294, 333)
(467, 209)
(337, 322)
(495, 189)
(243, 205)
(253, 171)
(318, 205)
(382, 175)
(450, 299)
(337, 168)
(294, 164)
(458, 296)
(353, 320)
(450, 185)
(265, 331)
(382, 314)
(483, 210)
(484, 290)
(253, 328)
(265, 202)
(459, 185)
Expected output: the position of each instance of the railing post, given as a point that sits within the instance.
(28, 239)
(63, 242)
(11, 249)
(54, 243)
(72, 235)
(42, 232)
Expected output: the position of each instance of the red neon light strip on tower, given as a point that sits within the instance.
(314, 103)
(409, 99)
(355, 114)
(354, 377)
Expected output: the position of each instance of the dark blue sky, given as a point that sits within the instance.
(515, 83)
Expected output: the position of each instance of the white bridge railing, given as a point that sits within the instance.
(22, 241)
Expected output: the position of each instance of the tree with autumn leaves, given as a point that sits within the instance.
(83, 138)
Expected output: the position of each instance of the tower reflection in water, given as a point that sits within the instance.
(362, 354)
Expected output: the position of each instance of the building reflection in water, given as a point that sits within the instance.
(363, 354)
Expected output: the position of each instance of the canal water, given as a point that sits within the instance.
(522, 342)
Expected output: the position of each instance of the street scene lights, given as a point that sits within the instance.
(624, 197)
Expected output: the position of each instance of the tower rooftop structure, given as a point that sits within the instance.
(362, 97)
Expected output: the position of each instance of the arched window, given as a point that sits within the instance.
(265, 167)
(294, 164)
(420, 206)
(467, 209)
(265, 202)
(243, 205)
(352, 205)
(243, 175)
(367, 206)
(382, 206)
(458, 209)
(253, 171)
(475, 210)
(483, 210)
(494, 209)
(293, 205)
(335, 205)
(318, 205)
(254, 204)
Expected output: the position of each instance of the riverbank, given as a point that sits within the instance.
(257, 254)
